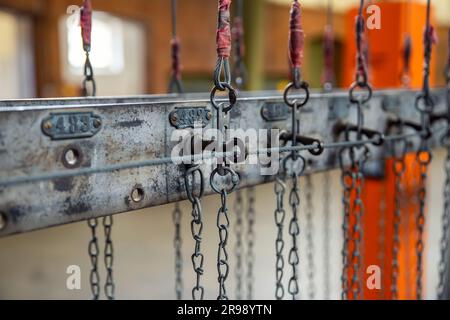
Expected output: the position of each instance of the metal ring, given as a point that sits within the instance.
(304, 86)
(191, 172)
(299, 158)
(231, 96)
(428, 103)
(227, 170)
(362, 86)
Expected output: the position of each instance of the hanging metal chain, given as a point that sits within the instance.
(280, 214)
(177, 242)
(250, 239)
(109, 257)
(399, 167)
(425, 105)
(238, 209)
(175, 84)
(86, 29)
(348, 185)
(194, 196)
(309, 237)
(93, 250)
(294, 232)
(445, 237)
(223, 43)
(223, 224)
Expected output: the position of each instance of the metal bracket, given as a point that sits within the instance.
(71, 125)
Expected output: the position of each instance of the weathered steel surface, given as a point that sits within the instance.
(136, 129)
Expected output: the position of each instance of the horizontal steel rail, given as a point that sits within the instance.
(120, 148)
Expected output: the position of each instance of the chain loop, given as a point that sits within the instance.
(223, 224)
(326, 185)
(109, 258)
(238, 209)
(399, 167)
(294, 232)
(177, 243)
(194, 197)
(250, 241)
(280, 214)
(93, 250)
(309, 237)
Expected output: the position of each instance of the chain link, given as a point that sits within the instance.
(347, 184)
(309, 237)
(93, 251)
(443, 262)
(423, 158)
(398, 167)
(223, 224)
(250, 241)
(109, 257)
(280, 215)
(194, 198)
(326, 233)
(357, 232)
(238, 208)
(177, 243)
(294, 232)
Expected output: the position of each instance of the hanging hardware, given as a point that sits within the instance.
(280, 214)
(250, 239)
(239, 271)
(223, 169)
(352, 177)
(177, 242)
(398, 152)
(175, 84)
(309, 237)
(425, 105)
(443, 287)
(328, 79)
(297, 162)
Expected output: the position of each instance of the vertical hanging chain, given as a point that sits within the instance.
(328, 83)
(347, 184)
(223, 43)
(175, 85)
(309, 237)
(425, 105)
(194, 196)
(294, 232)
(250, 241)
(280, 214)
(238, 209)
(398, 167)
(296, 46)
(352, 178)
(109, 257)
(445, 236)
(177, 242)
(93, 248)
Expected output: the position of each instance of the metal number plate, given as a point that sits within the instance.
(275, 111)
(74, 125)
(182, 118)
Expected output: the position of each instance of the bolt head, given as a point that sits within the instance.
(209, 115)
(48, 125)
(97, 123)
(174, 117)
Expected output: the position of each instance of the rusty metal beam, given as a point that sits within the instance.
(113, 167)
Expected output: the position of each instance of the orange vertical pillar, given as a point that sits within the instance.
(385, 65)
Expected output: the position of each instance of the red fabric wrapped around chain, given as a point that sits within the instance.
(296, 36)
(86, 24)
(176, 69)
(223, 37)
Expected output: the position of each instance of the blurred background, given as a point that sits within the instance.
(41, 56)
